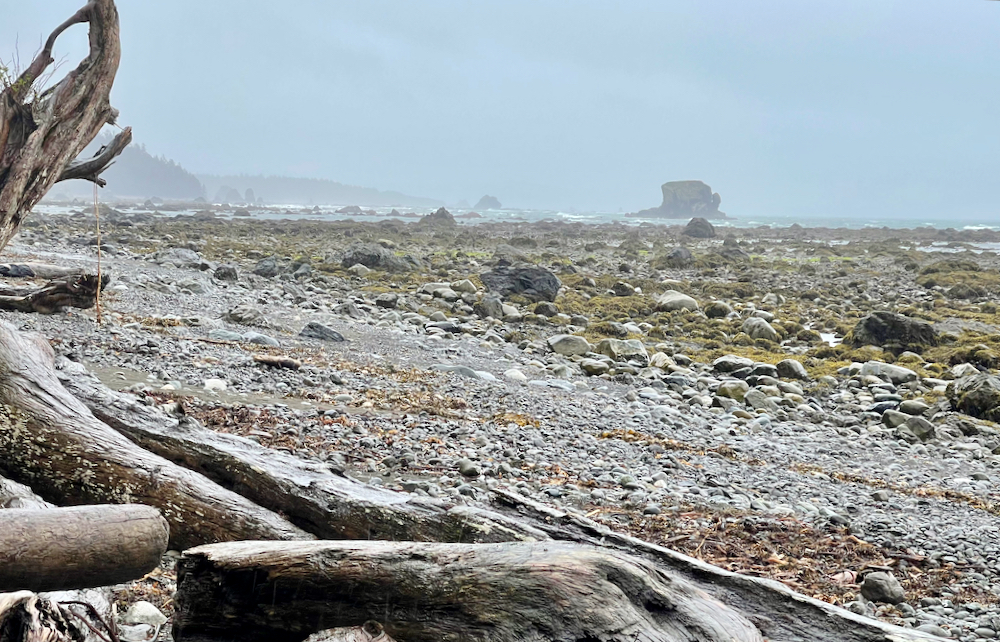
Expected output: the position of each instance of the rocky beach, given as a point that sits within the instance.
(815, 406)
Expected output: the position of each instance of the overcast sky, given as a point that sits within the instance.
(788, 107)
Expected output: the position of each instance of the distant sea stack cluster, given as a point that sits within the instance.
(686, 199)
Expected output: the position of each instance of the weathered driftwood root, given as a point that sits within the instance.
(79, 291)
(308, 494)
(780, 613)
(42, 133)
(53, 549)
(71, 616)
(15, 495)
(50, 441)
(515, 592)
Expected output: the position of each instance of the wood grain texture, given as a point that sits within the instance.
(420, 592)
(41, 134)
(53, 549)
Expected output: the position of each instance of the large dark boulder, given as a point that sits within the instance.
(731, 250)
(892, 331)
(683, 199)
(314, 330)
(535, 284)
(440, 218)
(267, 267)
(376, 257)
(677, 258)
(977, 396)
(699, 228)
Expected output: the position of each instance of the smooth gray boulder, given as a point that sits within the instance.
(376, 257)
(672, 300)
(489, 307)
(731, 363)
(976, 396)
(895, 374)
(314, 330)
(619, 350)
(757, 328)
(568, 345)
(532, 283)
(792, 369)
(699, 228)
(882, 587)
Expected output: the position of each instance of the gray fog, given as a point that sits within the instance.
(819, 108)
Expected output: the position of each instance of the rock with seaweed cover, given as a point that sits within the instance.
(892, 331)
(376, 257)
(977, 396)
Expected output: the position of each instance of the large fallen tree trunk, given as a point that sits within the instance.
(516, 592)
(50, 441)
(52, 549)
(308, 494)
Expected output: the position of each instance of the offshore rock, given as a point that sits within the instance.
(684, 199)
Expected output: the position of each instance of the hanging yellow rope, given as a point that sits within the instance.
(97, 215)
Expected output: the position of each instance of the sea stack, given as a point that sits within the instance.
(686, 199)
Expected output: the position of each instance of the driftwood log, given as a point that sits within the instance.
(516, 592)
(53, 549)
(37, 270)
(51, 442)
(76, 291)
(82, 615)
(310, 495)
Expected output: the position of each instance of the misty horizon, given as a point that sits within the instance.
(846, 109)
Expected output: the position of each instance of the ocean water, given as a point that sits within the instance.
(528, 215)
(329, 213)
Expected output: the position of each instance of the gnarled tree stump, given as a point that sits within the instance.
(41, 134)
